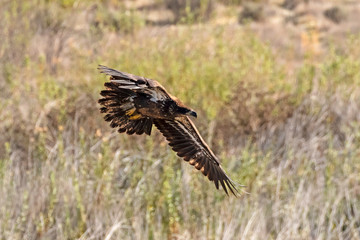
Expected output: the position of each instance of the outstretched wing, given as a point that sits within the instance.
(118, 104)
(118, 101)
(135, 83)
(184, 139)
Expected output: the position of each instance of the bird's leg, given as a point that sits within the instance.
(130, 111)
(133, 115)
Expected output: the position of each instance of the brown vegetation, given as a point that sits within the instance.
(278, 99)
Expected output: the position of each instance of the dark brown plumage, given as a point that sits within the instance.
(133, 104)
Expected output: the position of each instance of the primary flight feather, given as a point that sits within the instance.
(133, 104)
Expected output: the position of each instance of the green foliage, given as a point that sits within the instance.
(118, 19)
(189, 62)
(66, 175)
(190, 12)
(238, 2)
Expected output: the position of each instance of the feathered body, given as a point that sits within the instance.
(133, 104)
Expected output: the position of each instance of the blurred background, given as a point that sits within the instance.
(276, 87)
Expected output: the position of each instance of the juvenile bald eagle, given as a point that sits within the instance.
(133, 104)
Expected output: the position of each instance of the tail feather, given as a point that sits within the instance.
(132, 127)
(148, 126)
(143, 126)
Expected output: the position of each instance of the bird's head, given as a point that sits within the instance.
(186, 111)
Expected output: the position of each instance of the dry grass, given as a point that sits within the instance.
(292, 136)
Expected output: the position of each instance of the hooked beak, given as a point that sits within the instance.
(192, 113)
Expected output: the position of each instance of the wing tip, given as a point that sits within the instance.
(228, 184)
(110, 71)
(106, 70)
(102, 68)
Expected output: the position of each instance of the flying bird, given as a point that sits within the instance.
(134, 104)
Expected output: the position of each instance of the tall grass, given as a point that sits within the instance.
(291, 139)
